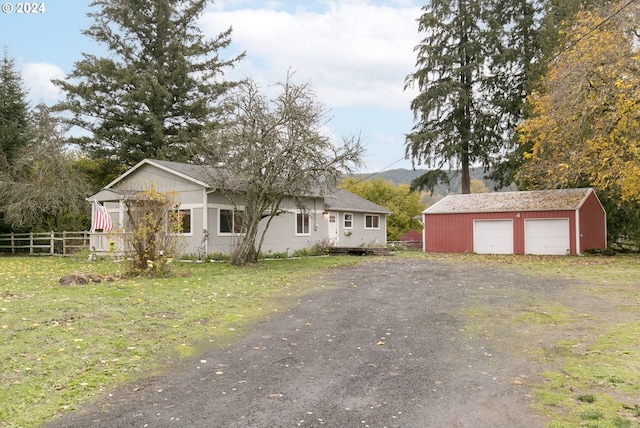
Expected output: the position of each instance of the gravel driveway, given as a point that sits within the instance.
(378, 345)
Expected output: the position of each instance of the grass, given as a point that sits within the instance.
(592, 361)
(599, 377)
(62, 345)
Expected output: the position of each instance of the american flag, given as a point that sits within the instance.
(100, 218)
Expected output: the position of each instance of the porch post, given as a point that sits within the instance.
(121, 213)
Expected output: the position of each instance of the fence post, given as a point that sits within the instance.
(35, 242)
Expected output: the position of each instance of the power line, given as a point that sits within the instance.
(380, 171)
(579, 39)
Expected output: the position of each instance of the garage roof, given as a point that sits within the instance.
(535, 200)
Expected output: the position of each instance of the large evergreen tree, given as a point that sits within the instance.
(14, 110)
(471, 69)
(155, 93)
(14, 129)
(556, 18)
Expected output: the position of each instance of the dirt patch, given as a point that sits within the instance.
(390, 343)
(83, 278)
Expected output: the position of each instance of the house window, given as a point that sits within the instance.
(348, 221)
(184, 218)
(231, 222)
(303, 220)
(371, 221)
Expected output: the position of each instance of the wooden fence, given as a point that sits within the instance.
(46, 243)
(66, 243)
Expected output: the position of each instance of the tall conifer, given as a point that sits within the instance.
(14, 110)
(471, 68)
(154, 93)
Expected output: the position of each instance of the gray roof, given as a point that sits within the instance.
(205, 176)
(196, 172)
(535, 200)
(106, 195)
(341, 200)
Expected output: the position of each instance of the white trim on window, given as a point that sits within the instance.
(188, 215)
(347, 223)
(234, 229)
(372, 221)
(303, 224)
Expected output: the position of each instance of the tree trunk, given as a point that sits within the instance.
(244, 254)
(466, 81)
(246, 251)
(465, 184)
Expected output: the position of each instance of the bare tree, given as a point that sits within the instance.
(43, 187)
(272, 149)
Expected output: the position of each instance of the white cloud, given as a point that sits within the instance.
(353, 53)
(37, 77)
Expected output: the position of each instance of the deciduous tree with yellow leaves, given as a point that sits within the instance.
(403, 203)
(585, 127)
(585, 130)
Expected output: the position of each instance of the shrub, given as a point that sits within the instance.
(591, 415)
(587, 398)
(153, 239)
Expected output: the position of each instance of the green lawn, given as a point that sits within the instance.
(591, 367)
(61, 345)
(593, 376)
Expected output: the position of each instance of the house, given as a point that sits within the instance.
(210, 224)
(566, 221)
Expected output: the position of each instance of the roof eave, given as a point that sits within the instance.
(500, 211)
(162, 167)
(358, 210)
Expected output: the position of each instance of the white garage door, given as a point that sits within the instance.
(493, 236)
(546, 236)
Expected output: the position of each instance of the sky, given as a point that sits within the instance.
(354, 54)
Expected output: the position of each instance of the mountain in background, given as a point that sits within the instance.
(405, 176)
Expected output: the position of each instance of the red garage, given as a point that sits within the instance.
(565, 221)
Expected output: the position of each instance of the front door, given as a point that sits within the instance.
(333, 228)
